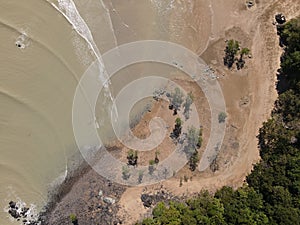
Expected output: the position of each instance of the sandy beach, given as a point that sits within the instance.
(203, 27)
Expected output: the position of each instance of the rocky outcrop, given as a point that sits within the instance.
(91, 198)
(21, 213)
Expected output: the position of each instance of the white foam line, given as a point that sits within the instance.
(110, 22)
(68, 9)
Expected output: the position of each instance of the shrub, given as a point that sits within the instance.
(73, 219)
(222, 117)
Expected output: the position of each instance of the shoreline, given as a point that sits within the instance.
(82, 173)
(92, 193)
(83, 181)
(76, 176)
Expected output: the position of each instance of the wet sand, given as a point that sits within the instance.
(42, 58)
(37, 83)
(157, 28)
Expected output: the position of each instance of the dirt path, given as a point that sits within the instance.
(249, 95)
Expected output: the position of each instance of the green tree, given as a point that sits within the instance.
(177, 129)
(187, 105)
(132, 157)
(192, 139)
(231, 50)
(200, 139)
(178, 122)
(151, 167)
(125, 173)
(243, 206)
(140, 176)
(244, 51)
(233, 46)
(176, 98)
(241, 62)
(276, 176)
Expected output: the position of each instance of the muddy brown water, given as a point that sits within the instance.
(42, 58)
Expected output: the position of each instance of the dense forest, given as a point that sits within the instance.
(271, 194)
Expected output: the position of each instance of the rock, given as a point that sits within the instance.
(250, 4)
(24, 210)
(42, 219)
(12, 204)
(175, 112)
(147, 200)
(280, 18)
(14, 213)
(100, 193)
(109, 200)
